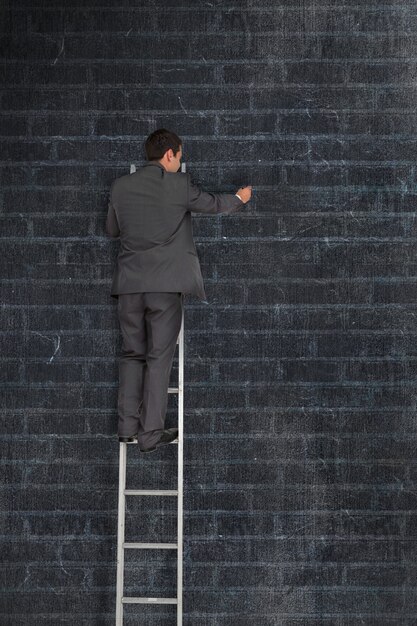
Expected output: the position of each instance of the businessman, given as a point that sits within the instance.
(150, 211)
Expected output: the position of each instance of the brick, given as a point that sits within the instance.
(49, 74)
(150, 74)
(73, 199)
(380, 72)
(217, 396)
(38, 577)
(250, 372)
(13, 226)
(63, 99)
(247, 252)
(244, 123)
(14, 74)
(349, 474)
(102, 371)
(292, 395)
(10, 372)
(312, 292)
(314, 122)
(11, 318)
(47, 372)
(312, 575)
(315, 72)
(57, 293)
(323, 175)
(29, 48)
(232, 345)
(250, 577)
(177, 99)
(248, 226)
(14, 21)
(380, 124)
(47, 21)
(285, 317)
(91, 150)
(223, 293)
(395, 97)
(14, 175)
(330, 97)
(264, 73)
(42, 421)
(237, 151)
(384, 316)
(143, 124)
(83, 253)
(381, 371)
(338, 524)
(64, 601)
(13, 125)
(100, 317)
(398, 292)
(61, 124)
(14, 259)
(402, 149)
(378, 576)
(56, 175)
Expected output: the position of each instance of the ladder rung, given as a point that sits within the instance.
(155, 546)
(149, 601)
(150, 492)
(135, 442)
(173, 389)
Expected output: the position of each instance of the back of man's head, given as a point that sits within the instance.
(159, 142)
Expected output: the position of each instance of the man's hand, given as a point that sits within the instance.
(244, 193)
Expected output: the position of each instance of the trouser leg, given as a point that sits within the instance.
(132, 361)
(163, 313)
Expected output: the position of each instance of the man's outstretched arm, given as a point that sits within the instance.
(205, 202)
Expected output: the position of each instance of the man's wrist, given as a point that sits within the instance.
(236, 194)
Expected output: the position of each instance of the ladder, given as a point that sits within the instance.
(122, 545)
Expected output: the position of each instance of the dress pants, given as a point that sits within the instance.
(150, 324)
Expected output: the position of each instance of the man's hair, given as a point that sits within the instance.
(159, 142)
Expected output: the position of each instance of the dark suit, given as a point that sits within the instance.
(150, 211)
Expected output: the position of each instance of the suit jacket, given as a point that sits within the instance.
(150, 211)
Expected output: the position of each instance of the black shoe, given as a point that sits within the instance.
(131, 439)
(167, 436)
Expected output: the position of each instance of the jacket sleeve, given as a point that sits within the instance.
(204, 202)
(112, 225)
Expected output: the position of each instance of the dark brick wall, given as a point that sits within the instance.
(300, 505)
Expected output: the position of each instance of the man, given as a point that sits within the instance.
(150, 211)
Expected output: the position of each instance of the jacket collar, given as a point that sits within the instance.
(155, 163)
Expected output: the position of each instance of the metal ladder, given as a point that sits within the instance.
(123, 492)
(122, 545)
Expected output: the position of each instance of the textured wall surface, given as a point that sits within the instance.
(300, 492)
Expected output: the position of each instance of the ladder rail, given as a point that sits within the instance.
(121, 533)
(180, 487)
